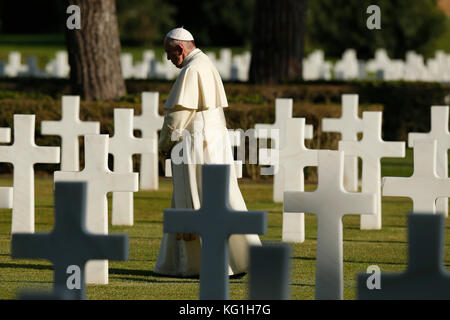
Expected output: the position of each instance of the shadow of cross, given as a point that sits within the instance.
(69, 244)
(425, 277)
(330, 202)
(215, 221)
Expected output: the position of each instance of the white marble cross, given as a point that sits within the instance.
(371, 148)
(439, 132)
(289, 174)
(6, 193)
(100, 181)
(123, 145)
(283, 114)
(69, 128)
(23, 154)
(269, 272)
(69, 244)
(330, 202)
(214, 222)
(149, 122)
(424, 186)
(426, 276)
(348, 125)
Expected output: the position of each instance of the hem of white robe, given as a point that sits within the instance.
(237, 265)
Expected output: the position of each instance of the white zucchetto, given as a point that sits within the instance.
(180, 34)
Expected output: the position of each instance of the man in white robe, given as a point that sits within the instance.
(195, 106)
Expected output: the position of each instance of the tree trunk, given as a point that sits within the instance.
(278, 36)
(94, 51)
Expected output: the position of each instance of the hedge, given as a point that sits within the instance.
(405, 106)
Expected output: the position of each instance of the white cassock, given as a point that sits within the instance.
(195, 103)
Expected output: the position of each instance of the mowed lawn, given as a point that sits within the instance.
(134, 279)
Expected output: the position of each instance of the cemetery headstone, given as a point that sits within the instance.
(69, 245)
(348, 125)
(23, 154)
(269, 272)
(6, 193)
(439, 132)
(293, 159)
(123, 145)
(283, 114)
(371, 148)
(330, 202)
(426, 277)
(100, 181)
(149, 122)
(424, 186)
(214, 222)
(69, 128)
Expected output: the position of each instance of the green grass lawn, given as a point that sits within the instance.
(134, 279)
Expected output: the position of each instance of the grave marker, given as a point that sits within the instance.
(69, 128)
(123, 145)
(424, 186)
(214, 222)
(100, 181)
(348, 125)
(23, 154)
(371, 148)
(289, 176)
(235, 138)
(283, 114)
(6, 193)
(269, 272)
(439, 132)
(330, 202)
(426, 277)
(149, 122)
(69, 243)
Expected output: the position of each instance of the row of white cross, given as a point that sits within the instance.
(236, 67)
(293, 158)
(231, 67)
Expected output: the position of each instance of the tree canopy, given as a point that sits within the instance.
(336, 25)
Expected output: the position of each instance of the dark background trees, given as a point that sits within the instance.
(279, 38)
(278, 41)
(336, 25)
(333, 25)
(94, 52)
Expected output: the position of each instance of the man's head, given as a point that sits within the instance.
(178, 44)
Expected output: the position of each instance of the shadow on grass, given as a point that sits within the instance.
(354, 261)
(150, 273)
(25, 266)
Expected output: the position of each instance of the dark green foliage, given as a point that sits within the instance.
(405, 105)
(336, 25)
(144, 22)
(216, 23)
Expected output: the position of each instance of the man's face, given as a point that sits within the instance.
(174, 54)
